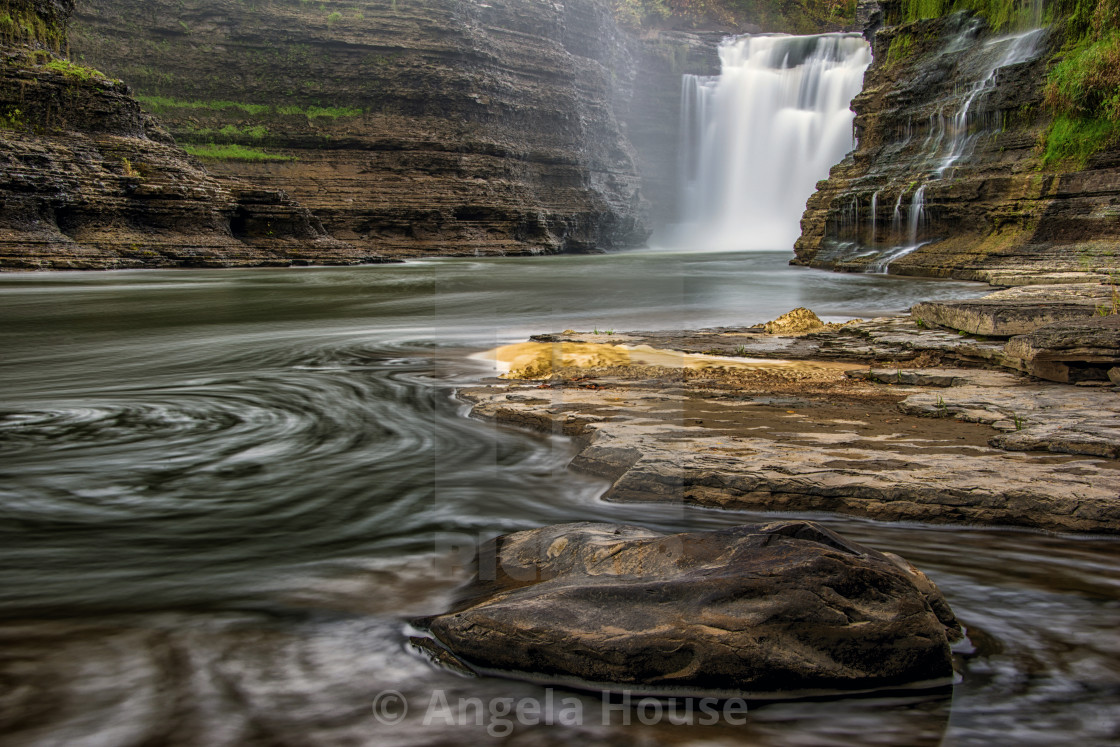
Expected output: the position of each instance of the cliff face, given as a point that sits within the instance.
(649, 104)
(87, 181)
(948, 161)
(408, 126)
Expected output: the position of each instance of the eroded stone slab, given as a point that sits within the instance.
(1017, 311)
(1083, 350)
(775, 610)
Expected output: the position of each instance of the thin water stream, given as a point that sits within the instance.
(223, 493)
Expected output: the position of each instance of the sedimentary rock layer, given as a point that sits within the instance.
(428, 127)
(895, 439)
(948, 161)
(90, 182)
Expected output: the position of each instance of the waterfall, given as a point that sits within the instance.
(874, 215)
(757, 138)
(1005, 51)
(954, 138)
(917, 212)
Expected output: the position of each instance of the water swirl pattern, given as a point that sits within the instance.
(222, 493)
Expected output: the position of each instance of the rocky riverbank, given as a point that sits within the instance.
(419, 129)
(895, 419)
(89, 181)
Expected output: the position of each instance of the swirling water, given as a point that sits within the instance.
(223, 493)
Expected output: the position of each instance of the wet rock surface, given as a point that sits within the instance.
(774, 610)
(934, 427)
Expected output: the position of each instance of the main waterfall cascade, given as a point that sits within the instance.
(757, 138)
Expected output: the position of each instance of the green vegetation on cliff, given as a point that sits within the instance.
(22, 25)
(254, 124)
(790, 16)
(1083, 88)
(160, 104)
(77, 72)
(1000, 14)
(232, 152)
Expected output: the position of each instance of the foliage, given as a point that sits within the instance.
(1000, 14)
(1071, 141)
(1083, 89)
(1086, 19)
(640, 12)
(158, 104)
(161, 104)
(77, 72)
(20, 25)
(1087, 82)
(12, 119)
(332, 112)
(232, 152)
(900, 48)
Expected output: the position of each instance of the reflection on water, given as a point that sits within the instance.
(223, 492)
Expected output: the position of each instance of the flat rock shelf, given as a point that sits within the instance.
(854, 419)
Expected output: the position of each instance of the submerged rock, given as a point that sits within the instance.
(774, 610)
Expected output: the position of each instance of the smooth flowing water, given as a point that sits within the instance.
(757, 138)
(224, 493)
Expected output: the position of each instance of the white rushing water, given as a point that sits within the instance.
(757, 138)
(956, 138)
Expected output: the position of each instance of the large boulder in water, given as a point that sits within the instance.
(773, 610)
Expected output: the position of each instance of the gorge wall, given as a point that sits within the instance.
(948, 177)
(417, 127)
(88, 181)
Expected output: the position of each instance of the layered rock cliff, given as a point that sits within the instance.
(414, 127)
(947, 178)
(88, 181)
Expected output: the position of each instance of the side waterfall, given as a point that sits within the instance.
(952, 139)
(757, 138)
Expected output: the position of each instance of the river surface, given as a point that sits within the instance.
(224, 493)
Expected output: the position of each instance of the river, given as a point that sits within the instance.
(223, 493)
